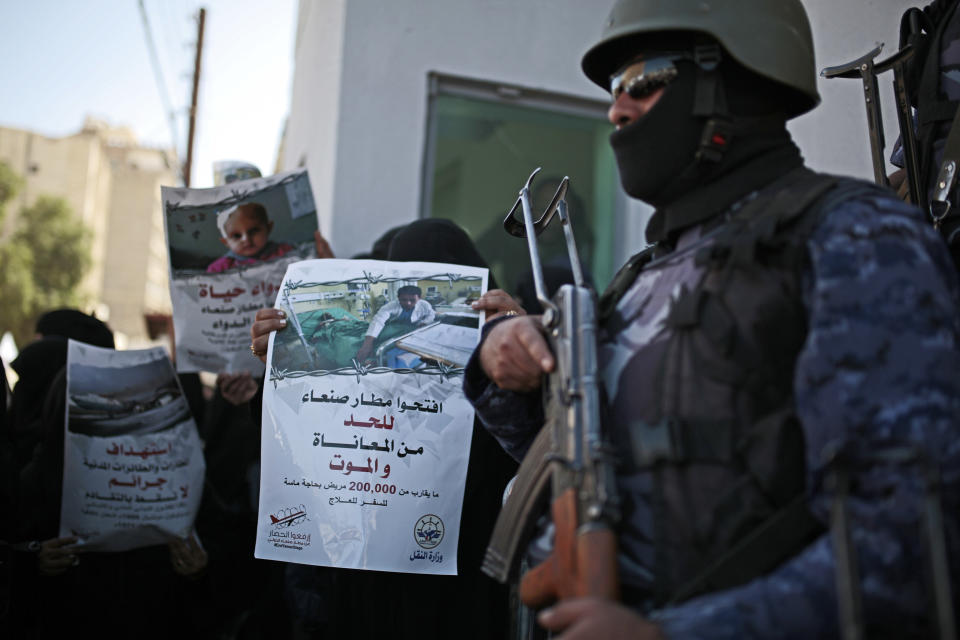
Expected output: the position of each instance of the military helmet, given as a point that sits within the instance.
(771, 38)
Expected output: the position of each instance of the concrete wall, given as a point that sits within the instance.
(359, 108)
(113, 186)
(135, 279)
(73, 168)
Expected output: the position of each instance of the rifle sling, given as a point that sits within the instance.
(527, 500)
(622, 281)
(780, 537)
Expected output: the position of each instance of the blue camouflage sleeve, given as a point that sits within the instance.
(880, 369)
(512, 418)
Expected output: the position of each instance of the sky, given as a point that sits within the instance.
(62, 60)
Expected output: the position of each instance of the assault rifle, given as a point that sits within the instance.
(569, 450)
(866, 69)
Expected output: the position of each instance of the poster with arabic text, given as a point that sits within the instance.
(366, 431)
(229, 247)
(133, 461)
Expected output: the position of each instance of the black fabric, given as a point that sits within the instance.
(381, 246)
(37, 365)
(655, 162)
(724, 118)
(136, 583)
(8, 471)
(8, 493)
(469, 605)
(247, 594)
(754, 159)
(554, 276)
(623, 280)
(765, 547)
(109, 594)
(76, 325)
(41, 478)
(39, 362)
(193, 392)
(436, 240)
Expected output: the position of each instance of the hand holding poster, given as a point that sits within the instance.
(229, 247)
(133, 462)
(366, 433)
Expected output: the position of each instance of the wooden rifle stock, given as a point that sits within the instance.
(583, 562)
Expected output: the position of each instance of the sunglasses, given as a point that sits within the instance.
(640, 78)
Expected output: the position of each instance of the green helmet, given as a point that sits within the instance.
(768, 37)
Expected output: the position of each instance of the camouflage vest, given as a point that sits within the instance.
(707, 406)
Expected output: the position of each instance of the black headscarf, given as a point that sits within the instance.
(436, 240)
(36, 367)
(76, 325)
(554, 276)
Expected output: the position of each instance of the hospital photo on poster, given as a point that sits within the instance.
(366, 431)
(398, 320)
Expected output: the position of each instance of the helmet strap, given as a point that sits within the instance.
(709, 89)
(710, 102)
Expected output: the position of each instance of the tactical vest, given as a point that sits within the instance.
(933, 86)
(931, 82)
(715, 422)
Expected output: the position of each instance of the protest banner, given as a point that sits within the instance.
(132, 459)
(229, 247)
(366, 431)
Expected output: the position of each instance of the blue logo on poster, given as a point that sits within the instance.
(428, 531)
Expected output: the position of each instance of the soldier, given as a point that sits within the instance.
(779, 314)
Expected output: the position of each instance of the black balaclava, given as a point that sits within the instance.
(655, 154)
(663, 160)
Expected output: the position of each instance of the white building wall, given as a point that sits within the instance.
(311, 136)
(359, 109)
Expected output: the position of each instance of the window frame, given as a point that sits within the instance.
(444, 84)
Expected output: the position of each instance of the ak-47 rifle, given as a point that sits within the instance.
(569, 451)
